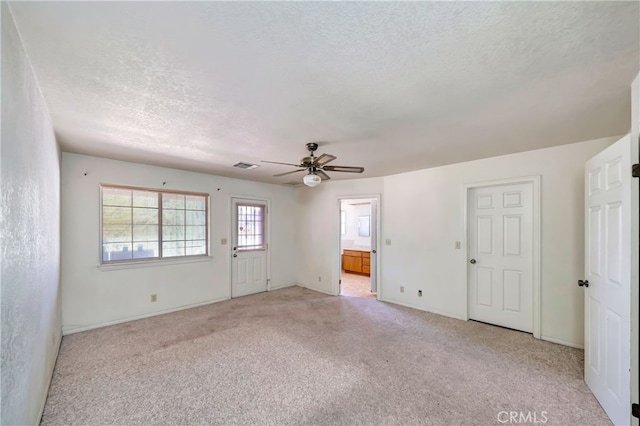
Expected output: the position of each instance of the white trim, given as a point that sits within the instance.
(315, 289)
(635, 248)
(281, 286)
(153, 263)
(68, 331)
(423, 309)
(335, 288)
(562, 342)
(537, 237)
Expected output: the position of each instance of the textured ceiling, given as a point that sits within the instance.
(391, 86)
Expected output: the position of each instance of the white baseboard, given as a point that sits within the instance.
(67, 331)
(50, 377)
(446, 314)
(420, 308)
(282, 286)
(314, 289)
(561, 342)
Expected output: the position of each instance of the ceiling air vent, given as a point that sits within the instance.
(246, 166)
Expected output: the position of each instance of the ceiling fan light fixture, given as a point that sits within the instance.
(312, 180)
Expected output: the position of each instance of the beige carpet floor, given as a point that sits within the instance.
(354, 285)
(294, 356)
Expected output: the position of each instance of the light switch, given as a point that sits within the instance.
(387, 242)
(457, 245)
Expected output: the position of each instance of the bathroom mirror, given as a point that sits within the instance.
(364, 226)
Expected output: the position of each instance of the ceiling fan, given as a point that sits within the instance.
(316, 166)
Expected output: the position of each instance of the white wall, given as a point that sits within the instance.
(94, 296)
(318, 238)
(424, 217)
(351, 239)
(30, 230)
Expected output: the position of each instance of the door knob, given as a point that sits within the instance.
(235, 255)
(472, 261)
(584, 283)
(373, 251)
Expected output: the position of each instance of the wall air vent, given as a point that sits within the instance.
(246, 166)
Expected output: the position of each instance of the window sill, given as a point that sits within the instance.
(152, 263)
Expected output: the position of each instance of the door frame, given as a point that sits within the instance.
(335, 287)
(536, 272)
(232, 225)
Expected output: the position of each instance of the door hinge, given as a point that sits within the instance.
(635, 170)
(339, 281)
(635, 410)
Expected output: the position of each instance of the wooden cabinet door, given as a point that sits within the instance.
(350, 263)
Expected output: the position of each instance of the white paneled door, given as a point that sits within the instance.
(249, 247)
(500, 250)
(607, 287)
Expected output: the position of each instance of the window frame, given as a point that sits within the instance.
(263, 215)
(159, 258)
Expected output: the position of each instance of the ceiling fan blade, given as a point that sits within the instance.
(323, 175)
(286, 164)
(288, 173)
(324, 159)
(348, 169)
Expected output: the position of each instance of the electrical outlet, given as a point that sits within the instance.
(419, 293)
(154, 297)
(387, 242)
(457, 245)
(223, 241)
(401, 289)
(319, 279)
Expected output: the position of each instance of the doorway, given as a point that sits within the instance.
(503, 240)
(249, 258)
(358, 247)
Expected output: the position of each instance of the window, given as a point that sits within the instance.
(250, 218)
(364, 227)
(146, 224)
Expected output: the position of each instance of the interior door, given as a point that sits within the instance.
(249, 247)
(607, 285)
(500, 224)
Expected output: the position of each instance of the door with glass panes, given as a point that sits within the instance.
(249, 247)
